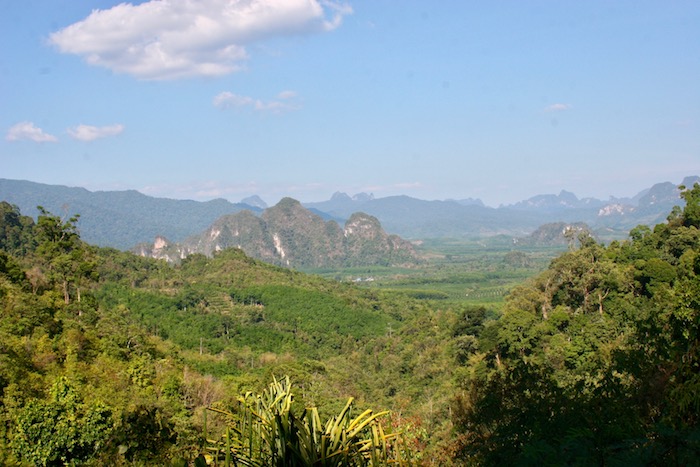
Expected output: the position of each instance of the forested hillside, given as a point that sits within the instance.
(118, 219)
(595, 361)
(111, 358)
(108, 358)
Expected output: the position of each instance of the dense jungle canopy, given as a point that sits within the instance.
(110, 358)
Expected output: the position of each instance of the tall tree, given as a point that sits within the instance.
(691, 212)
(15, 230)
(63, 253)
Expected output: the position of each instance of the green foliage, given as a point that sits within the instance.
(265, 431)
(11, 269)
(61, 429)
(145, 433)
(66, 259)
(317, 313)
(15, 230)
(691, 212)
(595, 360)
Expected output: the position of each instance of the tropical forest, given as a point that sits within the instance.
(480, 353)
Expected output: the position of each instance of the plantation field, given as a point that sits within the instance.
(472, 271)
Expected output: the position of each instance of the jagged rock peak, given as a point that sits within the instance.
(688, 182)
(255, 201)
(288, 234)
(288, 202)
(615, 209)
(567, 196)
(340, 196)
(556, 233)
(363, 197)
(660, 193)
(291, 210)
(160, 242)
(363, 224)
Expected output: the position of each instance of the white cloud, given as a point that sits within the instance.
(170, 39)
(27, 131)
(227, 100)
(284, 102)
(91, 133)
(557, 107)
(287, 95)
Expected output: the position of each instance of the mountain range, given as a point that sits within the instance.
(413, 218)
(122, 219)
(290, 235)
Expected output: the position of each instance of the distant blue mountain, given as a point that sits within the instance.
(414, 218)
(254, 201)
(122, 219)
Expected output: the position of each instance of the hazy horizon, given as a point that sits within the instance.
(272, 202)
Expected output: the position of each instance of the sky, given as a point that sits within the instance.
(496, 100)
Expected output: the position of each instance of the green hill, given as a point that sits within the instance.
(120, 219)
(290, 235)
(111, 358)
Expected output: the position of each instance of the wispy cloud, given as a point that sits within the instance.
(91, 133)
(285, 101)
(557, 107)
(287, 95)
(27, 131)
(204, 190)
(159, 40)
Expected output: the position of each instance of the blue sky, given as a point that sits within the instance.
(452, 99)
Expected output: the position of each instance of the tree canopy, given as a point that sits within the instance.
(595, 361)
